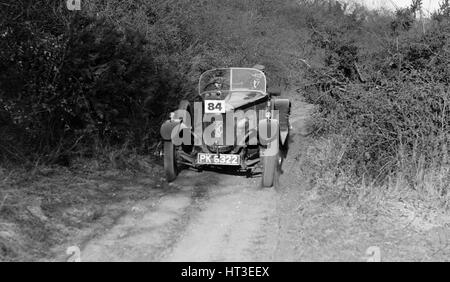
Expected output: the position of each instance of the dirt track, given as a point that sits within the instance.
(212, 216)
(205, 216)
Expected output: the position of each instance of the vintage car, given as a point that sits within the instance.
(236, 123)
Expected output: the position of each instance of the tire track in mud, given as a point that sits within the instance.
(149, 228)
(215, 218)
(230, 224)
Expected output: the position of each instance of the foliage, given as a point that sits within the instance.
(73, 82)
(395, 116)
(109, 74)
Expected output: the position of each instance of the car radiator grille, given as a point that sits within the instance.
(219, 132)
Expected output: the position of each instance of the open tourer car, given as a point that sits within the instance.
(235, 123)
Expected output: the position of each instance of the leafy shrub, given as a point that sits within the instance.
(76, 86)
(395, 119)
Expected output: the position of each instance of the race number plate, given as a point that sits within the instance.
(222, 159)
(214, 106)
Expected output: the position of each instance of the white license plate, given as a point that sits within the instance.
(214, 106)
(222, 159)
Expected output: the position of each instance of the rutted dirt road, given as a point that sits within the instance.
(204, 217)
(207, 216)
(211, 216)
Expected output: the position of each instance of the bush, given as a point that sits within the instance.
(87, 82)
(396, 117)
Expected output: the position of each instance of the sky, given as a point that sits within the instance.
(428, 5)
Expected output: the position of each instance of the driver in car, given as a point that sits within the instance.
(256, 83)
(257, 77)
(216, 83)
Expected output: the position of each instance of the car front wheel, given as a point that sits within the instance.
(170, 162)
(270, 167)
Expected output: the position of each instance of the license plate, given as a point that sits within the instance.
(214, 106)
(222, 159)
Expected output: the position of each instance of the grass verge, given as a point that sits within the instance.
(48, 208)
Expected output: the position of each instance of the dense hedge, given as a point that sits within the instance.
(73, 82)
(388, 96)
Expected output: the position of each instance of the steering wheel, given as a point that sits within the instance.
(224, 86)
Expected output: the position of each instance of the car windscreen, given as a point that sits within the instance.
(232, 79)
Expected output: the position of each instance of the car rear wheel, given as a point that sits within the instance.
(270, 168)
(170, 162)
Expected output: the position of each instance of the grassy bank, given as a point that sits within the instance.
(54, 206)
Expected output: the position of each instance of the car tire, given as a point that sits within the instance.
(270, 169)
(186, 106)
(170, 161)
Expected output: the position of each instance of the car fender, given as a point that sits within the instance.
(171, 128)
(177, 122)
(167, 128)
(268, 131)
(284, 108)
